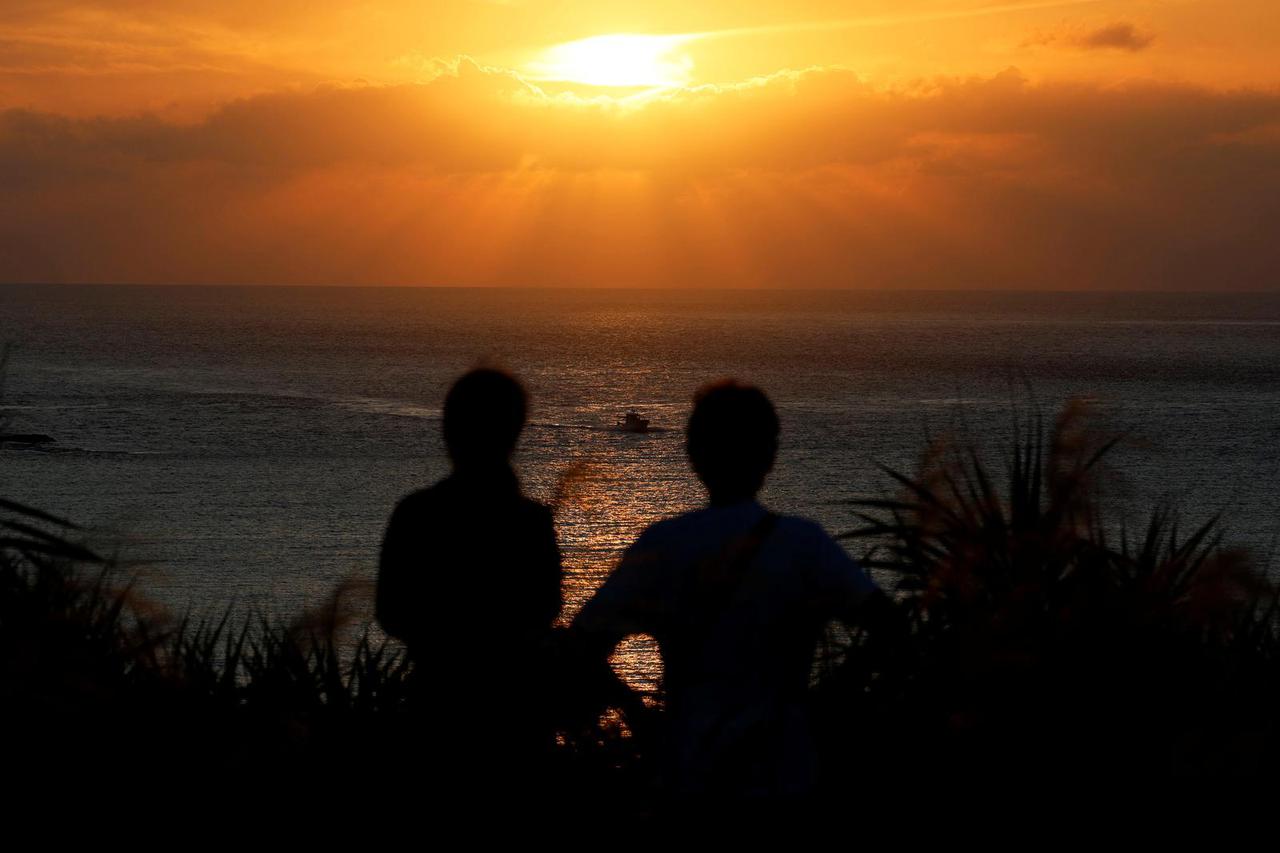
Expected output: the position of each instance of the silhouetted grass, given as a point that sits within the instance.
(112, 691)
(1047, 644)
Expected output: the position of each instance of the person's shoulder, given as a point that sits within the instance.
(422, 499)
(659, 546)
(800, 528)
(823, 560)
(675, 528)
(536, 510)
(805, 536)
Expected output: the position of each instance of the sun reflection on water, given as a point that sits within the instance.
(607, 490)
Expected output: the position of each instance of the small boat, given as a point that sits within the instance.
(632, 422)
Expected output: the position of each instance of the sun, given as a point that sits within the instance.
(620, 59)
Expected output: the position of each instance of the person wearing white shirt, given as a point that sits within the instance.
(736, 597)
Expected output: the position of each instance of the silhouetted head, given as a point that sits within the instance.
(483, 415)
(732, 439)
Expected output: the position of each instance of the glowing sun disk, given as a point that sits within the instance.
(617, 60)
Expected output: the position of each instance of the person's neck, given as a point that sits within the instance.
(488, 469)
(721, 500)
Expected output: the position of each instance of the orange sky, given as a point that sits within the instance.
(1126, 144)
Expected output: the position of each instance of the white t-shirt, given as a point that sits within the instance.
(737, 663)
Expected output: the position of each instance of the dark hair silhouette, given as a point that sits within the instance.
(732, 439)
(484, 413)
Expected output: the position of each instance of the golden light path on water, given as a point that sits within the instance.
(605, 493)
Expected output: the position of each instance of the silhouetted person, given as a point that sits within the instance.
(736, 597)
(470, 580)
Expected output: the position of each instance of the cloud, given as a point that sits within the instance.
(807, 177)
(1120, 35)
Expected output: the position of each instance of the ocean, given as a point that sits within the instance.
(245, 445)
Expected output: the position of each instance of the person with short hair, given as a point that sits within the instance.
(736, 597)
(470, 579)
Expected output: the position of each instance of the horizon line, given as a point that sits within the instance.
(649, 288)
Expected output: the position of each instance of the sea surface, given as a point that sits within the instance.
(245, 445)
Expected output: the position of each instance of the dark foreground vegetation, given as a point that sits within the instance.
(1049, 650)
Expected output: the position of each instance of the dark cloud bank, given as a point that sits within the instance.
(961, 183)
